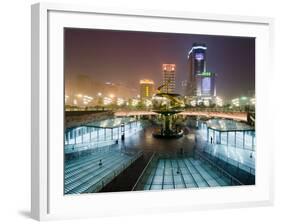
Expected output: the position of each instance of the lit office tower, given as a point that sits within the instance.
(200, 82)
(169, 78)
(146, 89)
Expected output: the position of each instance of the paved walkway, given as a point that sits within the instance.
(181, 173)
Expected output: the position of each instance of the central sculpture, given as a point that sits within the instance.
(167, 105)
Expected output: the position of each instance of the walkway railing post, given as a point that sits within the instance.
(252, 142)
(227, 138)
(91, 129)
(243, 139)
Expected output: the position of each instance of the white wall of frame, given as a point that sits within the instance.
(15, 114)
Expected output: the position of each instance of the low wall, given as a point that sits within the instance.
(77, 118)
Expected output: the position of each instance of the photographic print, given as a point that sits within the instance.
(157, 111)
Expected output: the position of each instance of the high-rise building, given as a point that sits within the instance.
(206, 84)
(169, 78)
(184, 85)
(146, 89)
(201, 84)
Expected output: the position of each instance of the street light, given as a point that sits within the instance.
(120, 101)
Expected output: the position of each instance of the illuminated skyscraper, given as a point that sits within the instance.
(201, 84)
(146, 89)
(169, 78)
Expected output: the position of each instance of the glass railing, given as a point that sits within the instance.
(233, 180)
(87, 146)
(227, 160)
(94, 143)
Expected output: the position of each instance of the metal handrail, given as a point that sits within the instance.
(85, 146)
(232, 161)
(219, 168)
(116, 172)
(143, 171)
(228, 160)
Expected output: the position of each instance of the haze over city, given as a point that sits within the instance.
(124, 57)
(156, 111)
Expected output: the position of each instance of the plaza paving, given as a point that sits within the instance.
(175, 167)
(180, 173)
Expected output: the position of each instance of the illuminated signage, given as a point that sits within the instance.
(199, 56)
(195, 48)
(146, 81)
(206, 74)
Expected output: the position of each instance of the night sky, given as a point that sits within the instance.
(126, 57)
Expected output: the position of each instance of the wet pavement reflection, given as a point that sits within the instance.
(144, 141)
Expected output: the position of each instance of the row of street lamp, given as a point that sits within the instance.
(111, 99)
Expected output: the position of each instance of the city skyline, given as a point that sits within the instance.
(131, 126)
(127, 57)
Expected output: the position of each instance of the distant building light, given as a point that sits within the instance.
(66, 98)
(88, 97)
(193, 103)
(199, 56)
(146, 81)
(107, 100)
(206, 102)
(253, 100)
(169, 67)
(195, 48)
(206, 74)
(148, 103)
(120, 101)
(135, 102)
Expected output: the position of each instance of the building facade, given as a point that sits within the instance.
(146, 89)
(169, 78)
(200, 83)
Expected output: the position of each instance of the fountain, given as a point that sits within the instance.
(167, 105)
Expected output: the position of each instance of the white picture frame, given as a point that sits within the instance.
(48, 201)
